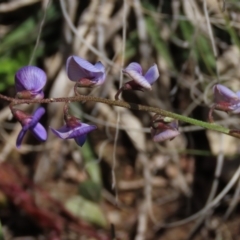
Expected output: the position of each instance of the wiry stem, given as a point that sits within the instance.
(133, 106)
(118, 93)
(210, 117)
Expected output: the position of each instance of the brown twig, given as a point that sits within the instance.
(133, 106)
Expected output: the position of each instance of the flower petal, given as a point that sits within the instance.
(81, 140)
(134, 71)
(152, 74)
(78, 68)
(101, 79)
(20, 137)
(134, 67)
(100, 66)
(39, 132)
(62, 132)
(174, 124)
(235, 108)
(82, 130)
(238, 94)
(160, 136)
(224, 94)
(30, 78)
(36, 116)
(79, 133)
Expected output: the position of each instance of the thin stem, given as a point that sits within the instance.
(76, 89)
(118, 93)
(210, 117)
(133, 106)
(39, 32)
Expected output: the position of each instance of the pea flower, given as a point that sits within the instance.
(84, 73)
(164, 129)
(139, 81)
(225, 100)
(75, 129)
(29, 82)
(31, 123)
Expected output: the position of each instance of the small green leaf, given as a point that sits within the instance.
(90, 190)
(91, 165)
(160, 45)
(168, 119)
(86, 210)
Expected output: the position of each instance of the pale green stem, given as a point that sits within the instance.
(134, 106)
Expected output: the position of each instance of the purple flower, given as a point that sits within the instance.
(74, 129)
(30, 123)
(225, 99)
(84, 73)
(29, 82)
(162, 131)
(140, 82)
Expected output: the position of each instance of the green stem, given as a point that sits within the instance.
(133, 106)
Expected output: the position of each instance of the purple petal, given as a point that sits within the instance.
(81, 130)
(81, 140)
(100, 66)
(100, 80)
(78, 68)
(160, 136)
(39, 132)
(174, 124)
(224, 94)
(78, 133)
(39, 95)
(152, 74)
(33, 120)
(30, 78)
(235, 108)
(36, 116)
(238, 94)
(67, 132)
(134, 67)
(62, 132)
(134, 71)
(20, 137)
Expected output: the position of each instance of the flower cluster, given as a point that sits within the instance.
(30, 81)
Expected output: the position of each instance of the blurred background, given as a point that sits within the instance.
(121, 184)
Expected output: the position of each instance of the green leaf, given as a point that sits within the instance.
(201, 46)
(90, 190)
(187, 30)
(205, 52)
(91, 165)
(10, 63)
(86, 210)
(23, 34)
(160, 45)
(131, 45)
